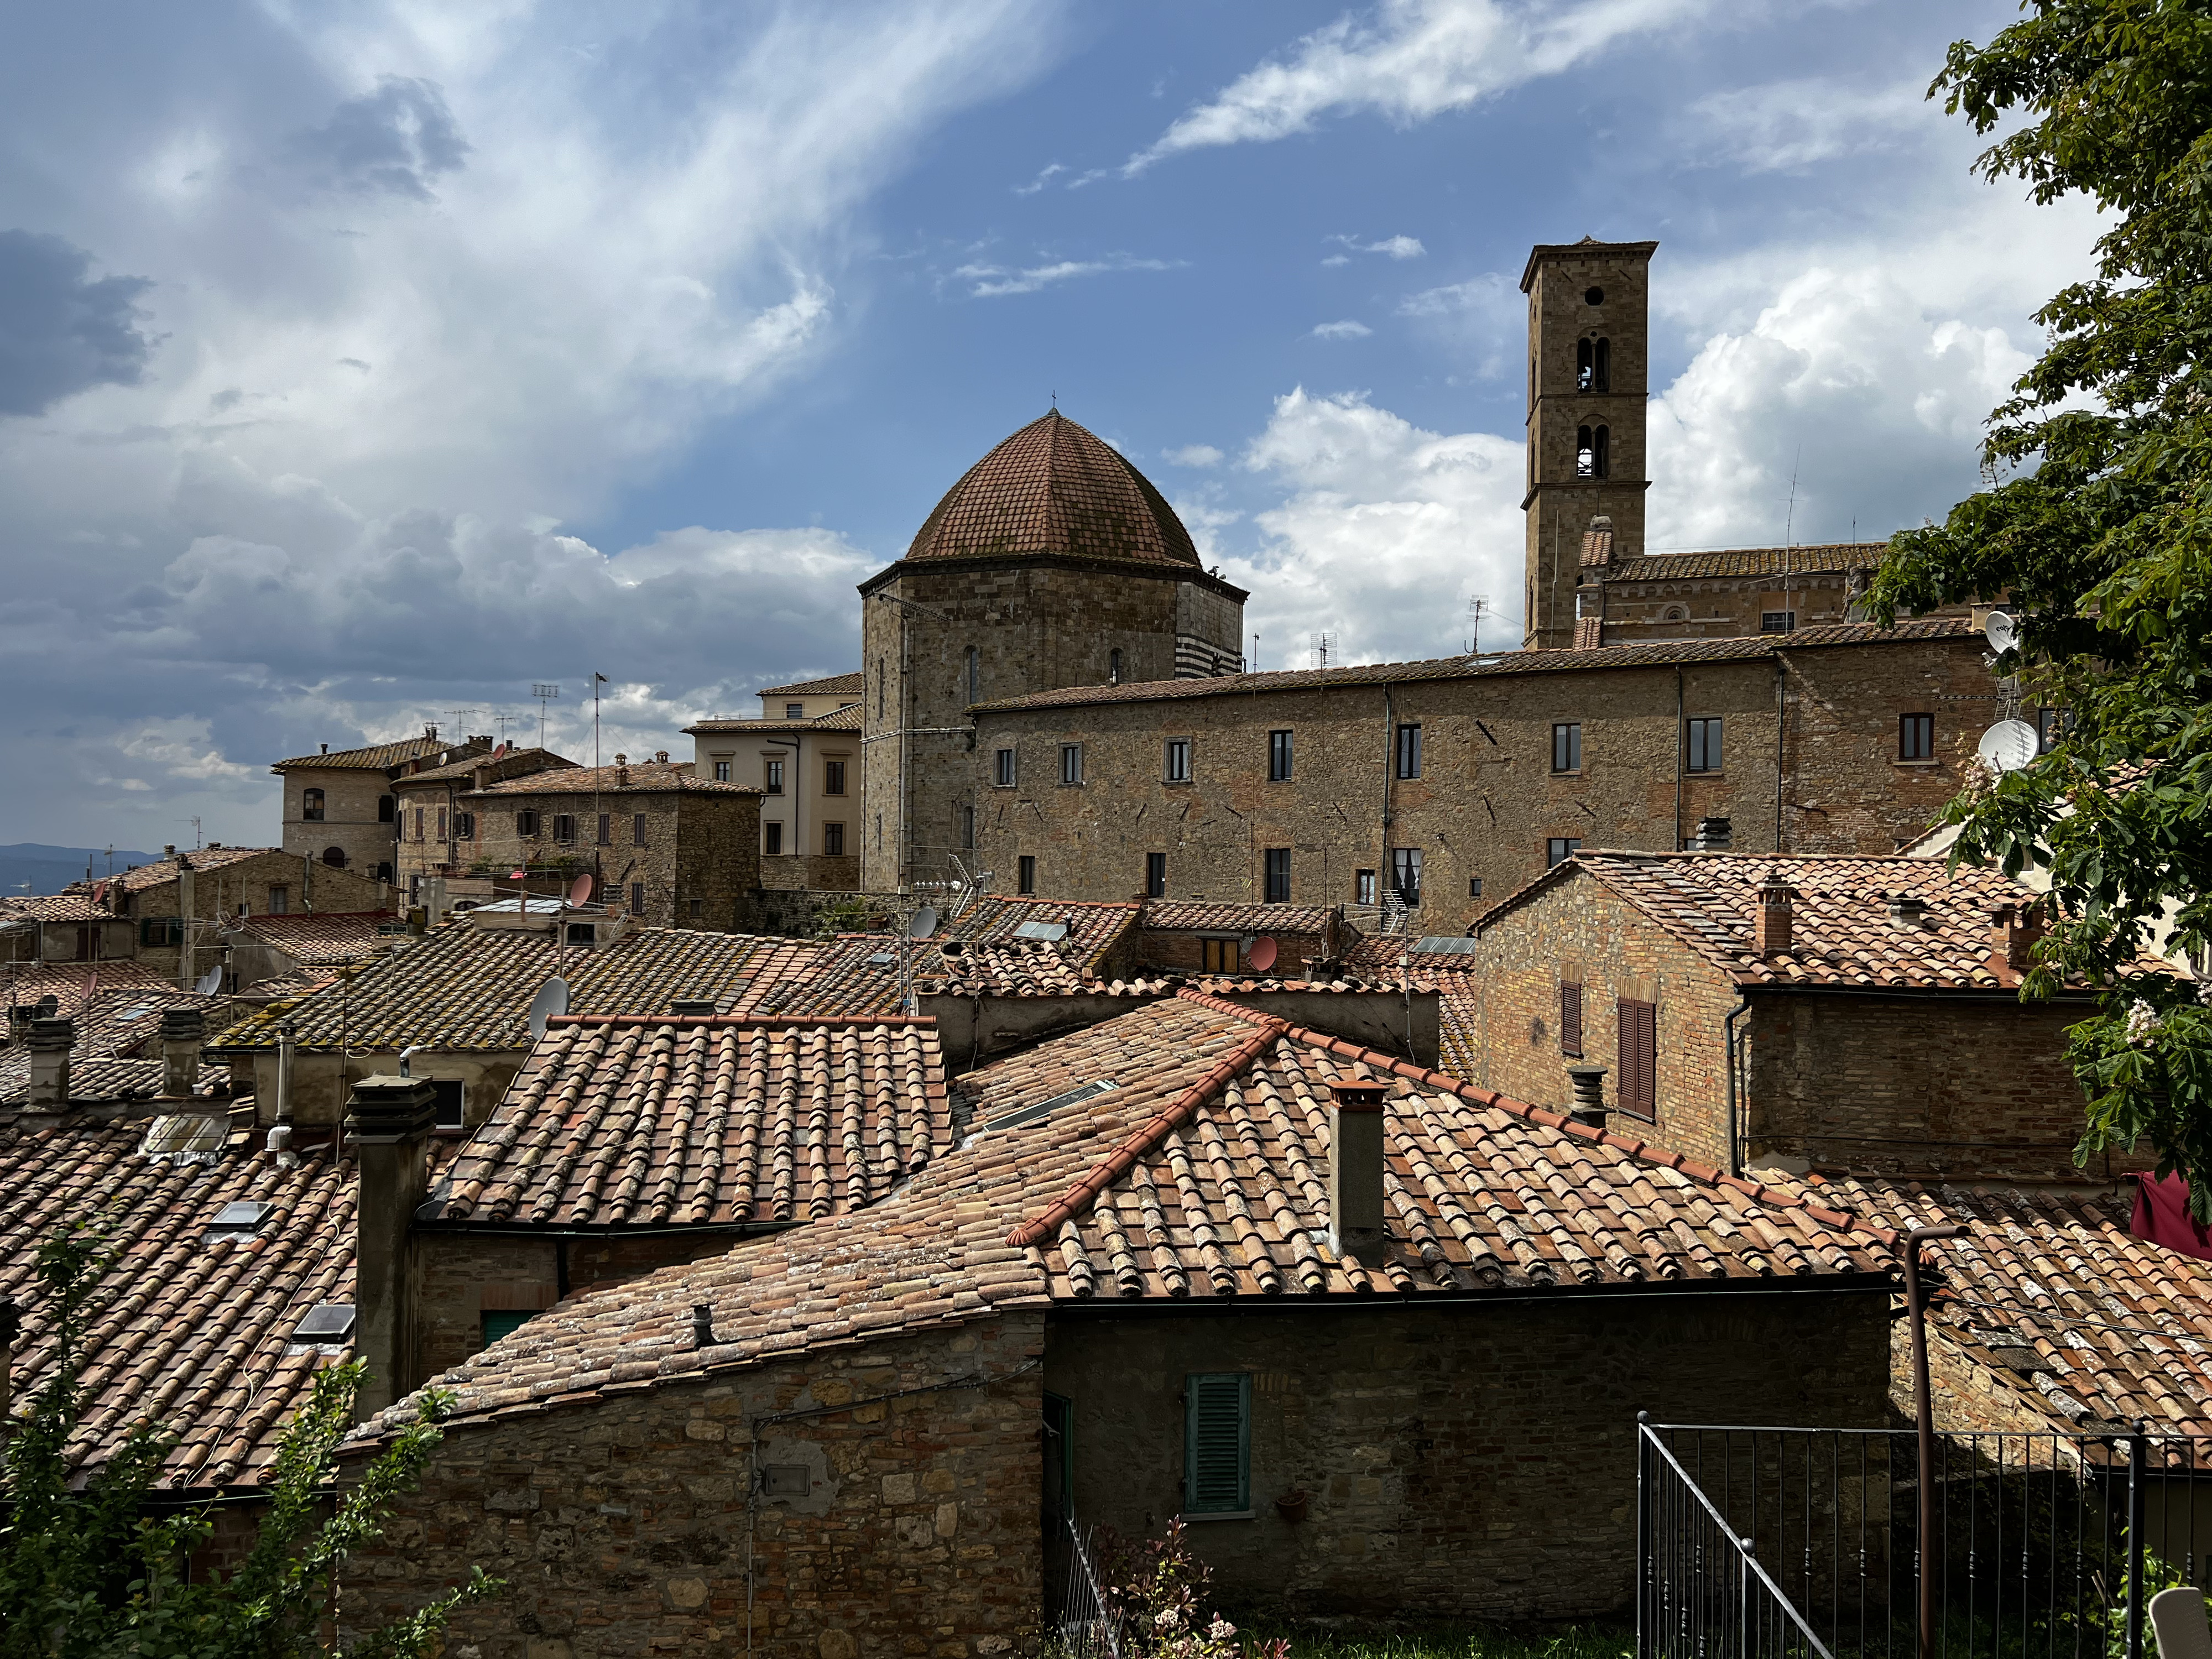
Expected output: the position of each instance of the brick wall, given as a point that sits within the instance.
(624, 1526)
(1721, 607)
(1470, 1463)
(1487, 803)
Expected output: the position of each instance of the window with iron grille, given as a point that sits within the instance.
(1178, 768)
(1278, 757)
(527, 821)
(1409, 751)
(794, 711)
(1156, 875)
(637, 829)
(1637, 1026)
(1003, 768)
(774, 785)
(1567, 746)
(833, 777)
(1560, 849)
(1405, 875)
(1217, 1443)
(1916, 736)
(833, 840)
(1278, 875)
(1363, 887)
(1701, 741)
(1571, 1020)
(772, 836)
(1777, 622)
(1071, 762)
(1025, 873)
(564, 826)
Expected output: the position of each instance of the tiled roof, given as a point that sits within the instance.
(1841, 931)
(1053, 488)
(646, 1121)
(1828, 558)
(70, 983)
(517, 762)
(837, 685)
(2036, 1288)
(1193, 916)
(122, 1023)
(1459, 1014)
(377, 757)
(164, 869)
(1200, 1175)
(190, 1327)
(847, 718)
(460, 987)
(643, 777)
(323, 938)
(56, 907)
(1662, 654)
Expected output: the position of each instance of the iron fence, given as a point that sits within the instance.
(1079, 1624)
(1755, 1541)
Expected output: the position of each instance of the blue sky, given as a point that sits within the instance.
(362, 363)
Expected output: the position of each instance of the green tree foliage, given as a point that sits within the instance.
(94, 1573)
(2096, 526)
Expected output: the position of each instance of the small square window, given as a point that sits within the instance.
(1177, 761)
(1567, 746)
(1218, 956)
(1278, 757)
(1702, 740)
(1474, 886)
(696, 909)
(465, 826)
(794, 711)
(1560, 849)
(1916, 736)
(526, 823)
(280, 901)
(1071, 762)
(1002, 772)
(1777, 622)
(564, 826)
(498, 1322)
(1025, 873)
(451, 1103)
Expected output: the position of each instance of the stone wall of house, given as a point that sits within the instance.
(1721, 607)
(829, 878)
(352, 822)
(626, 1523)
(1180, 952)
(1475, 1462)
(218, 894)
(321, 1084)
(1487, 804)
(1577, 932)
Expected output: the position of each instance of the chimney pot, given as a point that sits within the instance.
(2015, 930)
(1713, 835)
(181, 1031)
(1775, 922)
(50, 1043)
(702, 1325)
(660, 756)
(1590, 1095)
(1907, 909)
(1356, 1165)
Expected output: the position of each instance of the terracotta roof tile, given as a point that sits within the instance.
(1826, 558)
(1053, 488)
(122, 1025)
(516, 762)
(1195, 915)
(837, 685)
(318, 938)
(847, 718)
(73, 983)
(55, 907)
(165, 869)
(643, 776)
(376, 757)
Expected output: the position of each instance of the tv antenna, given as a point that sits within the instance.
(501, 720)
(546, 694)
(1477, 609)
(1324, 646)
(195, 822)
(463, 719)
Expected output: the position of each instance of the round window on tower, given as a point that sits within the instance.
(1593, 297)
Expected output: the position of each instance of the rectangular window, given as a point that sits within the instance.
(637, 829)
(1217, 956)
(1071, 762)
(1571, 1020)
(1002, 772)
(1702, 739)
(1278, 875)
(1405, 875)
(499, 1322)
(772, 834)
(1178, 760)
(697, 908)
(449, 1093)
(526, 822)
(637, 898)
(280, 901)
(1916, 736)
(465, 826)
(1560, 849)
(833, 777)
(1409, 751)
(1217, 1457)
(1025, 873)
(442, 824)
(161, 932)
(1156, 875)
(1363, 887)
(774, 784)
(1638, 1026)
(311, 807)
(564, 826)
(419, 815)
(967, 828)
(1777, 622)
(721, 771)
(606, 829)
(1278, 757)
(794, 711)
(1567, 746)
(833, 840)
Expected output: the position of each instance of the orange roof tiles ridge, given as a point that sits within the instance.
(768, 1021)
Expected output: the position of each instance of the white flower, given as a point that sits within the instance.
(2142, 1023)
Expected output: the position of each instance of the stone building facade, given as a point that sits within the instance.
(802, 754)
(339, 808)
(425, 823)
(1453, 782)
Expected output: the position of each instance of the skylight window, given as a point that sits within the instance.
(326, 1321)
(1450, 944)
(1044, 1108)
(241, 1215)
(1050, 932)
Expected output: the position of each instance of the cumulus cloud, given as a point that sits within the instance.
(1485, 318)
(1193, 455)
(1788, 125)
(1408, 60)
(1346, 330)
(62, 329)
(990, 282)
(1394, 248)
(393, 141)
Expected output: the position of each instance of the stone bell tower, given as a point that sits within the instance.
(1589, 353)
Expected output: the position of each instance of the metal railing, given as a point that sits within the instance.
(1077, 1623)
(1753, 1542)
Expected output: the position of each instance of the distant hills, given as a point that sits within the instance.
(50, 869)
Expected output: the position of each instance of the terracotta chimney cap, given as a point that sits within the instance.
(1359, 1094)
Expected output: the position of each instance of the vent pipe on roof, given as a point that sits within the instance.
(1774, 922)
(1907, 910)
(49, 1042)
(1355, 1169)
(1590, 1095)
(181, 1031)
(286, 1040)
(702, 1325)
(1713, 835)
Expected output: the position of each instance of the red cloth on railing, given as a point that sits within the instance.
(2163, 1216)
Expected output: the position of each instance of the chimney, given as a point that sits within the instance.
(1712, 836)
(480, 777)
(181, 1031)
(391, 1119)
(2014, 930)
(185, 914)
(1355, 1169)
(660, 756)
(1590, 1095)
(1772, 925)
(622, 771)
(702, 1325)
(49, 1042)
(1906, 910)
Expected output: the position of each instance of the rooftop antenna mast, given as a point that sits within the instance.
(1477, 609)
(502, 719)
(1790, 528)
(597, 680)
(545, 694)
(1324, 646)
(195, 822)
(464, 718)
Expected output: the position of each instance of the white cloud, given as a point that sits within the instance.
(1038, 183)
(1484, 317)
(1408, 60)
(1787, 125)
(1395, 247)
(1348, 330)
(989, 281)
(1193, 455)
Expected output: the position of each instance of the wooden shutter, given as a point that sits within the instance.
(1639, 1059)
(1217, 1443)
(1571, 1020)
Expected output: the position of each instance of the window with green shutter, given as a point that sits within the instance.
(1216, 1460)
(503, 1322)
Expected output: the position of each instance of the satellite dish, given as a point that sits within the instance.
(2008, 745)
(924, 923)
(1260, 955)
(1248, 941)
(580, 890)
(499, 751)
(210, 981)
(552, 999)
(2001, 632)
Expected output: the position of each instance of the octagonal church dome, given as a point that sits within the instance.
(1053, 488)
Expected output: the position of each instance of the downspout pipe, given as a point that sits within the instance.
(1682, 740)
(1781, 729)
(1734, 1051)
